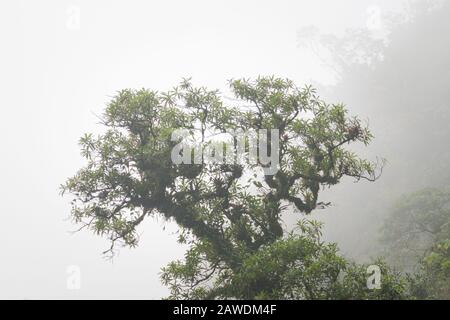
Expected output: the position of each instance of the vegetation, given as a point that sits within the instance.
(380, 75)
(229, 213)
(400, 81)
(417, 233)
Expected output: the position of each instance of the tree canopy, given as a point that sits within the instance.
(229, 213)
(416, 239)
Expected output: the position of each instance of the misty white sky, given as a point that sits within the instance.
(57, 75)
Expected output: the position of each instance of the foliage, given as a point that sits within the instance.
(297, 266)
(418, 236)
(230, 213)
(415, 224)
(433, 279)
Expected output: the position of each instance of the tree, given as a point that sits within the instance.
(417, 236)
(415, 224)
(229, 213)
(432, 281)
(298, 266)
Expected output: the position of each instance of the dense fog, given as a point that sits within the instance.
(63, 61)
(400, 85)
